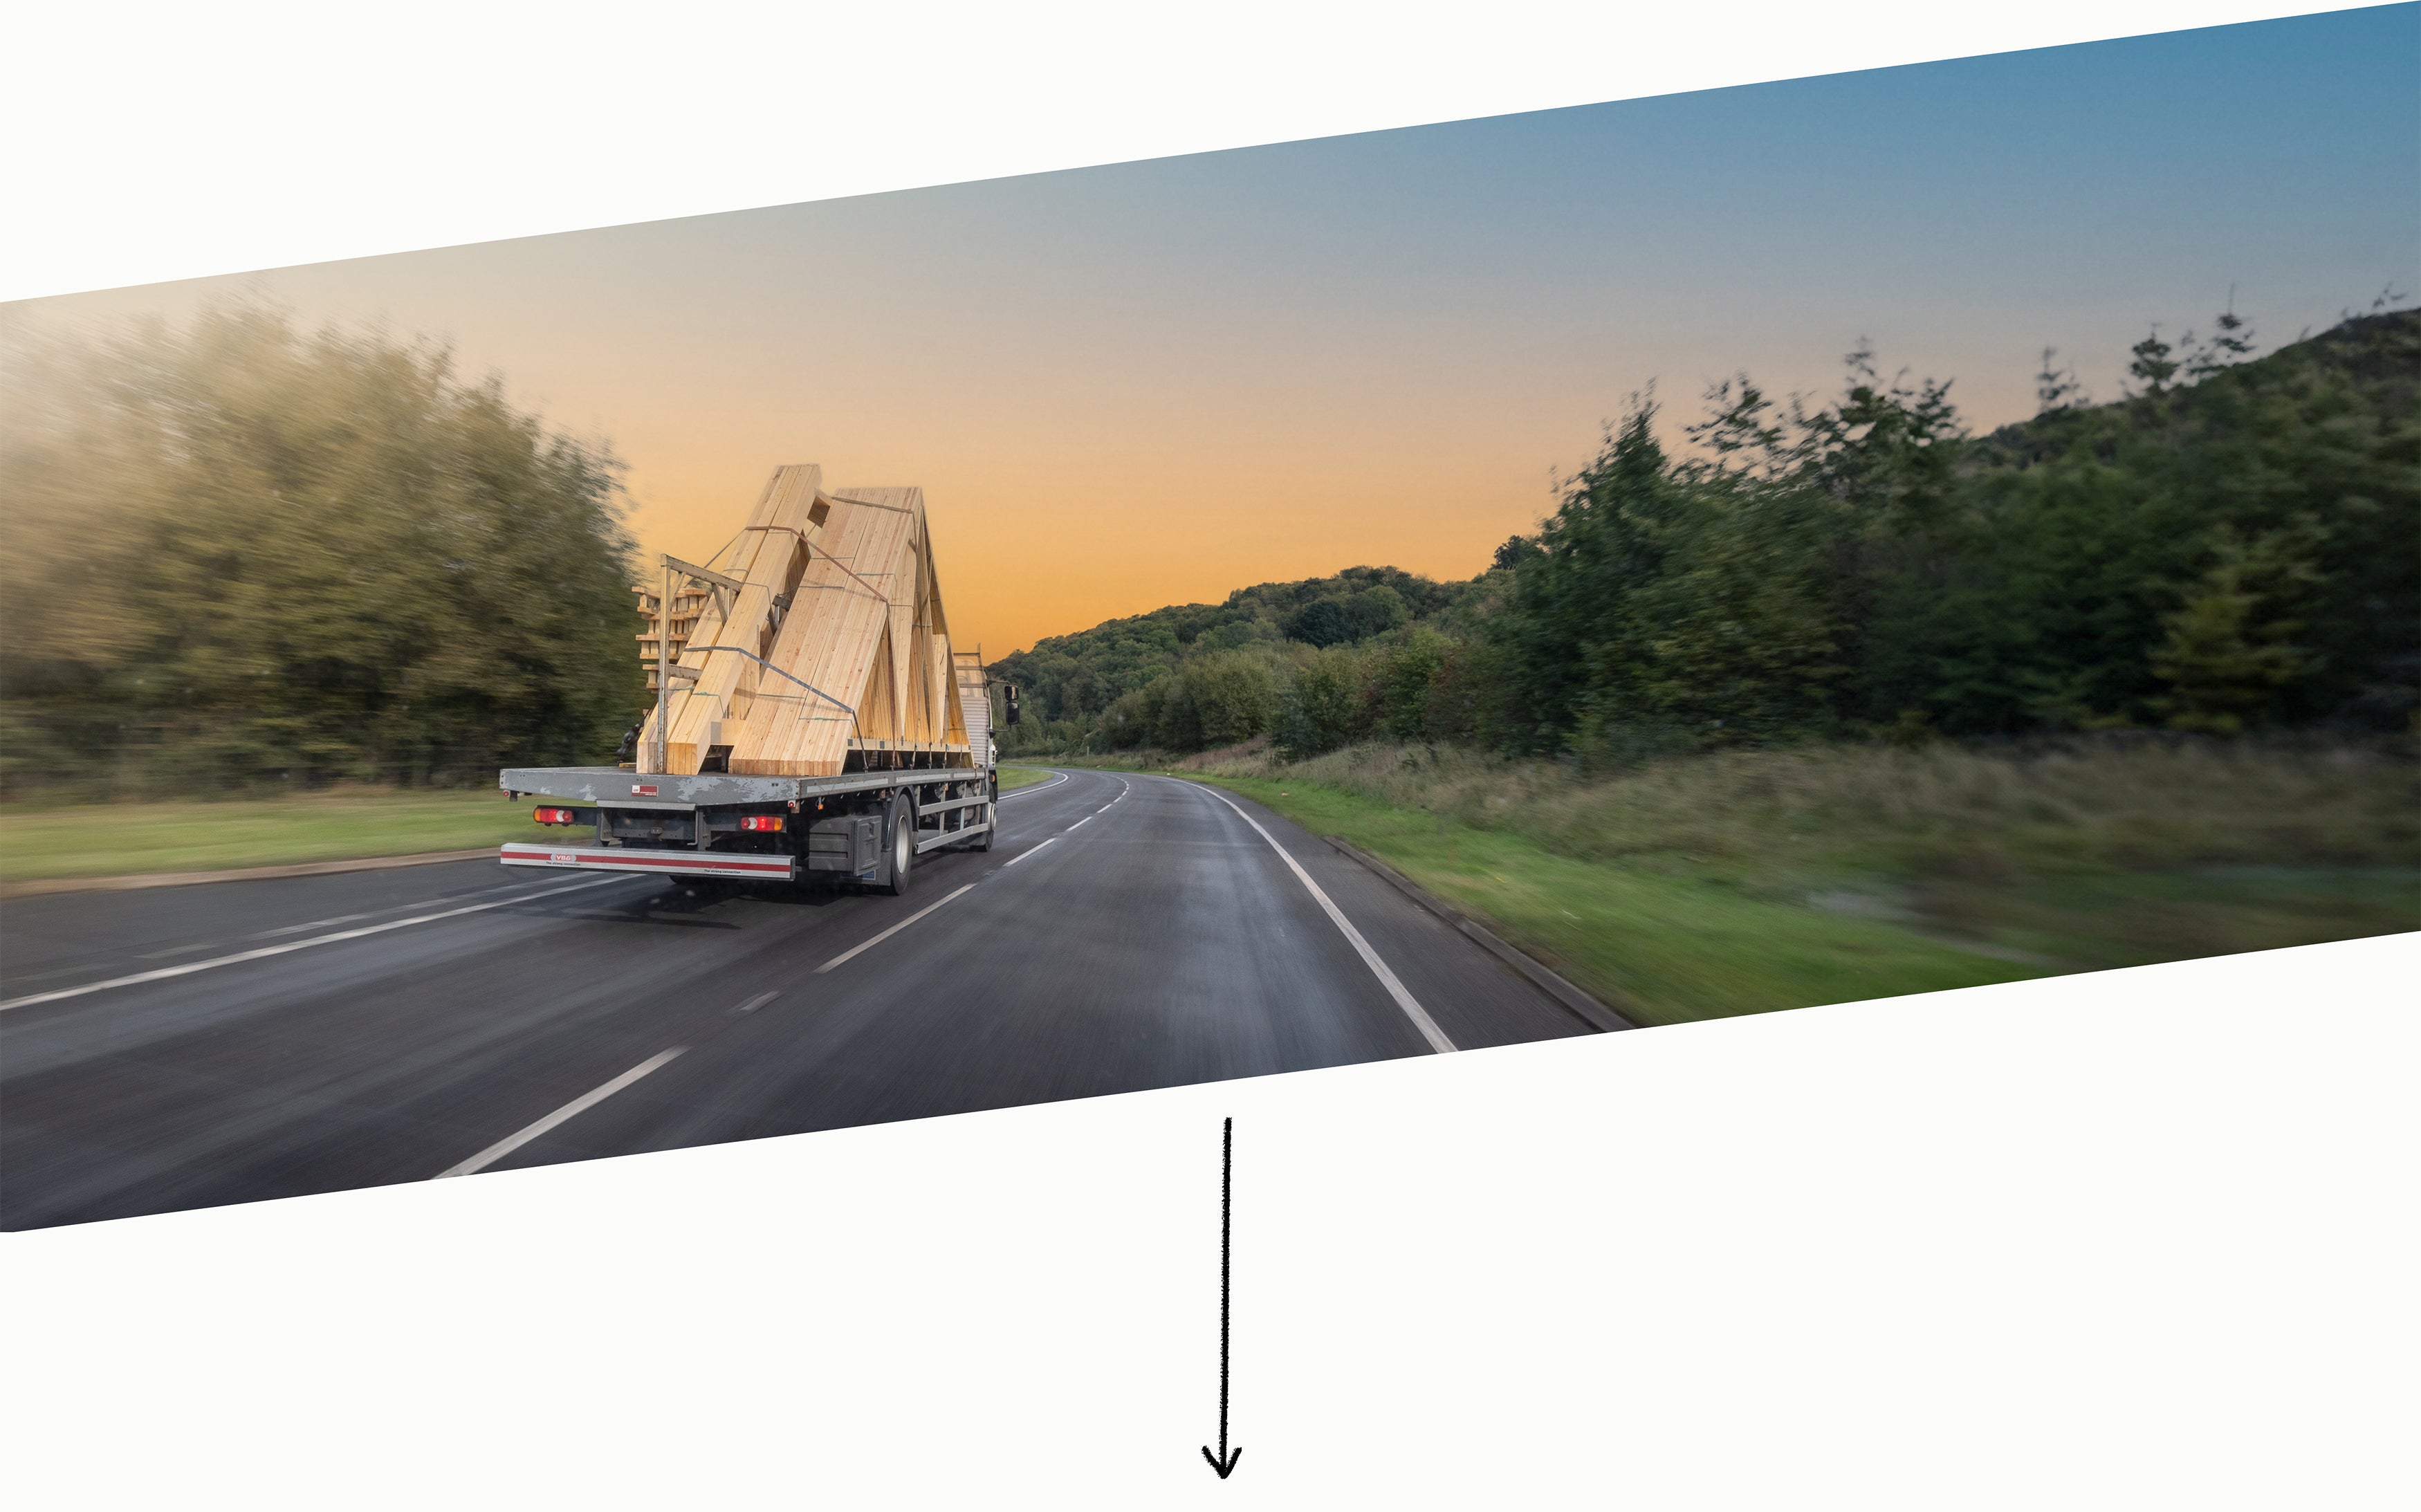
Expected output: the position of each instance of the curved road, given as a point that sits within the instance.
(191, 1046)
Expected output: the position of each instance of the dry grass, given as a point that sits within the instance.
(1755, 879)
(1935, 810)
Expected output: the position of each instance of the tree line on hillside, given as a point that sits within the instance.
(2233, 545)
(246, 554)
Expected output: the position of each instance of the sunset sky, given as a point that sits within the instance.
(1153, 384)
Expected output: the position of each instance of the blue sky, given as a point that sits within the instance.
(1153, 383)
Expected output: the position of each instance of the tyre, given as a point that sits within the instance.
(902, 831)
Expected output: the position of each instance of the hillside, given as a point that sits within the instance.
(2234, 546)
(1076, 676)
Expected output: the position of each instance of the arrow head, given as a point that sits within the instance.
(1227, 1467)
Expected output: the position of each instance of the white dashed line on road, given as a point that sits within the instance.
(897, 928)
(577, 1106)
(1036, 851)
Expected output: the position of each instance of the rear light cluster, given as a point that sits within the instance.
(553, 816)
(761, 821)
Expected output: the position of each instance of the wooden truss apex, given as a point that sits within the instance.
(814, 642)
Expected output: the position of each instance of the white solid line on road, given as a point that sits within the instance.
(1412, 1010)
(577, 1106)
(392, 908)
(189, 967)
(897, 928)
(1036, 850)
(1021, 792)
(757, 1002)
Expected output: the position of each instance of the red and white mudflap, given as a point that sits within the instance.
(664, 862)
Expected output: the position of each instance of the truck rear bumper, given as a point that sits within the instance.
(669, 862)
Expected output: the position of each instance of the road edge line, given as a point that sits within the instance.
(1579, 1002)
(1370, 958)
(165, 972)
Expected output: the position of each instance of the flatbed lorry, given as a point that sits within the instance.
(812, 722)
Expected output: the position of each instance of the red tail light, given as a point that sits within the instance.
(761, 821)
(553, 816)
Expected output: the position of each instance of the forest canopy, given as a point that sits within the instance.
(2235, 545)
(244, 553)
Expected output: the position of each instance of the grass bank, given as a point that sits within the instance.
(54, 842)
(41, 844)
(1745, 881)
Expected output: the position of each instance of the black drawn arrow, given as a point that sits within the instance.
(1225, 1461)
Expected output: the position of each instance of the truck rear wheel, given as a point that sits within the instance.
(902, 828)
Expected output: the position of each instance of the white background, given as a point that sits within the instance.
(2142, 1238)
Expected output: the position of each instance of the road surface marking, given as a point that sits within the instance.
(577, 1106)
(757, 1002)
(181, 950)
(1412, 1010)
(1021, 792)
(189, 967)
(315, 924)
(1082, 823)
(1036, 850)
(897, 928)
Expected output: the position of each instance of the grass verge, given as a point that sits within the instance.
(122, 840)
(1748, 882)
(46, 843)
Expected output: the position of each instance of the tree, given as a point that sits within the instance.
(2055, 388)
(2153, 363)
(277, 555)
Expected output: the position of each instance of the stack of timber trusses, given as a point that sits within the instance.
(812, 644)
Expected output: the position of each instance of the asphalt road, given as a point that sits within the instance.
(280, 1038)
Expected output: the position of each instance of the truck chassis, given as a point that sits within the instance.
(861, 828)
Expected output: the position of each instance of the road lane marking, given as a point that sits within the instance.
(577, 1106)
(1036, 850)
(757, 1002)
(181, 950)
(315, 924)
(1412, 1010)
(163, 972)
(901, 925)
(1082, 823)
(1021, 792)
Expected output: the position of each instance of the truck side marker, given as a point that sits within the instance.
(189, 967)
(577, 1106)
(894, 930)
(1412, 1010)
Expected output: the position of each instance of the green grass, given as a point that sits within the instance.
(119, 839)
(54, 842)
(1664, 948)
(1743, 881)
